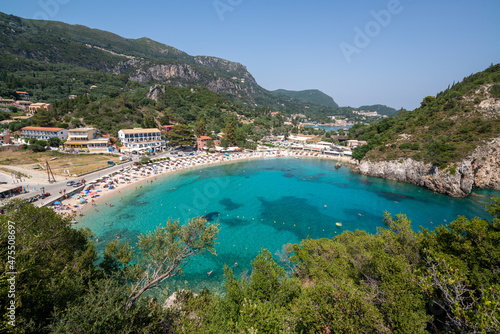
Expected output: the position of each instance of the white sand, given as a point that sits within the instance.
(71, 206)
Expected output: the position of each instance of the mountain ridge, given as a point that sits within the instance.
(141, 59)
(450, 144)
(309, 95)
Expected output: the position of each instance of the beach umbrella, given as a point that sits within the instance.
(82, 200)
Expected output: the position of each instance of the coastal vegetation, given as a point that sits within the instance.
(443, 130)
(394, 281)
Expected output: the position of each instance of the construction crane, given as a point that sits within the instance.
(49, 172)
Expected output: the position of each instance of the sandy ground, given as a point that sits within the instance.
(71, 206)
(33, 165)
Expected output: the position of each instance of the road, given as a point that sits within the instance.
(60, 184)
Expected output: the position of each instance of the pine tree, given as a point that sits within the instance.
(229, 132)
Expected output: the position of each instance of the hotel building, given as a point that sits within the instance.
(141, 139)
(41, 133)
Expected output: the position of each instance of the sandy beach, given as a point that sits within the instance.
(98, 193)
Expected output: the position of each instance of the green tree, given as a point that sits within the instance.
(181, 135)
(200, 128)
(229, 132)
(210, 145)
(41, 118)
(102, 310)
(148, 122)
(53, 261)
(162, 254)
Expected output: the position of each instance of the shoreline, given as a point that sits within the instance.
(71, 207)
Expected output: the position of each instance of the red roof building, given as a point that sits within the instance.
(202, 141)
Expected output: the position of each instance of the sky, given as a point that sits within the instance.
(392, 52)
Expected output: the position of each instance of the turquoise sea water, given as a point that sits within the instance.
(266, 204)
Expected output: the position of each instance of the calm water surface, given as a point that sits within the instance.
(266, 204)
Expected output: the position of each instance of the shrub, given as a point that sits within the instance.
(41, 143)
(495, 91)
(415, 146)
(404, 146)
(37, 148)
(453, 170)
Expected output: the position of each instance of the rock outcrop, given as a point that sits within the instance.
(182, 74)
(155, 92)
(481, 170)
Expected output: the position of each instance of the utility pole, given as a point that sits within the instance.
(49, 172)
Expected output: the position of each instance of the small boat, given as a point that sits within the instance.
(338, 223)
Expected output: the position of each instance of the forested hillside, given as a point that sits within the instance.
(444, 129)
(381, 109)
(34, 54)
(312, 95)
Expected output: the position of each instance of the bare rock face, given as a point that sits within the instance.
(486, 166)
(479, 171)
(164, 72)
(155, 92)
(174, 301)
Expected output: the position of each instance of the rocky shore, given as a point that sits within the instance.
(481, 170)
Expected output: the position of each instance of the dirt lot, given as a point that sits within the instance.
(24, 161)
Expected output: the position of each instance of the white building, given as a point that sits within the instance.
(141, 139)
(41, 133)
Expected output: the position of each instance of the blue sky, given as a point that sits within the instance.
(359, 52)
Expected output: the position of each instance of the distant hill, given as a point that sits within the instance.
(445, 128)
(381, 109)
(34, 53)
(450, 144)
(310, 95)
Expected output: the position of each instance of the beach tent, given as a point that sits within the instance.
(82, 200)
(57, 202)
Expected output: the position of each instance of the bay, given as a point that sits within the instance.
(266, 204)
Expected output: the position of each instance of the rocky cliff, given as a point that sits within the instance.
(182, 74)
(481, 170)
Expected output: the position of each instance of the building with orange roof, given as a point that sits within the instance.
(35, 106)
(202, 141)
(43, 133)
(25, 95)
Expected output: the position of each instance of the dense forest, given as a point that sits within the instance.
(395, 281)
(79, 58)
(443, 130)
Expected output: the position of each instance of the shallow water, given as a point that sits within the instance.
(266, 204)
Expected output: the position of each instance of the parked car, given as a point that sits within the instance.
(70, 183)
(77, 184)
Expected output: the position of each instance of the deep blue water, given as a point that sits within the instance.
(268, 203)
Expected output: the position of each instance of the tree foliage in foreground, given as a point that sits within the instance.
(394, 281)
